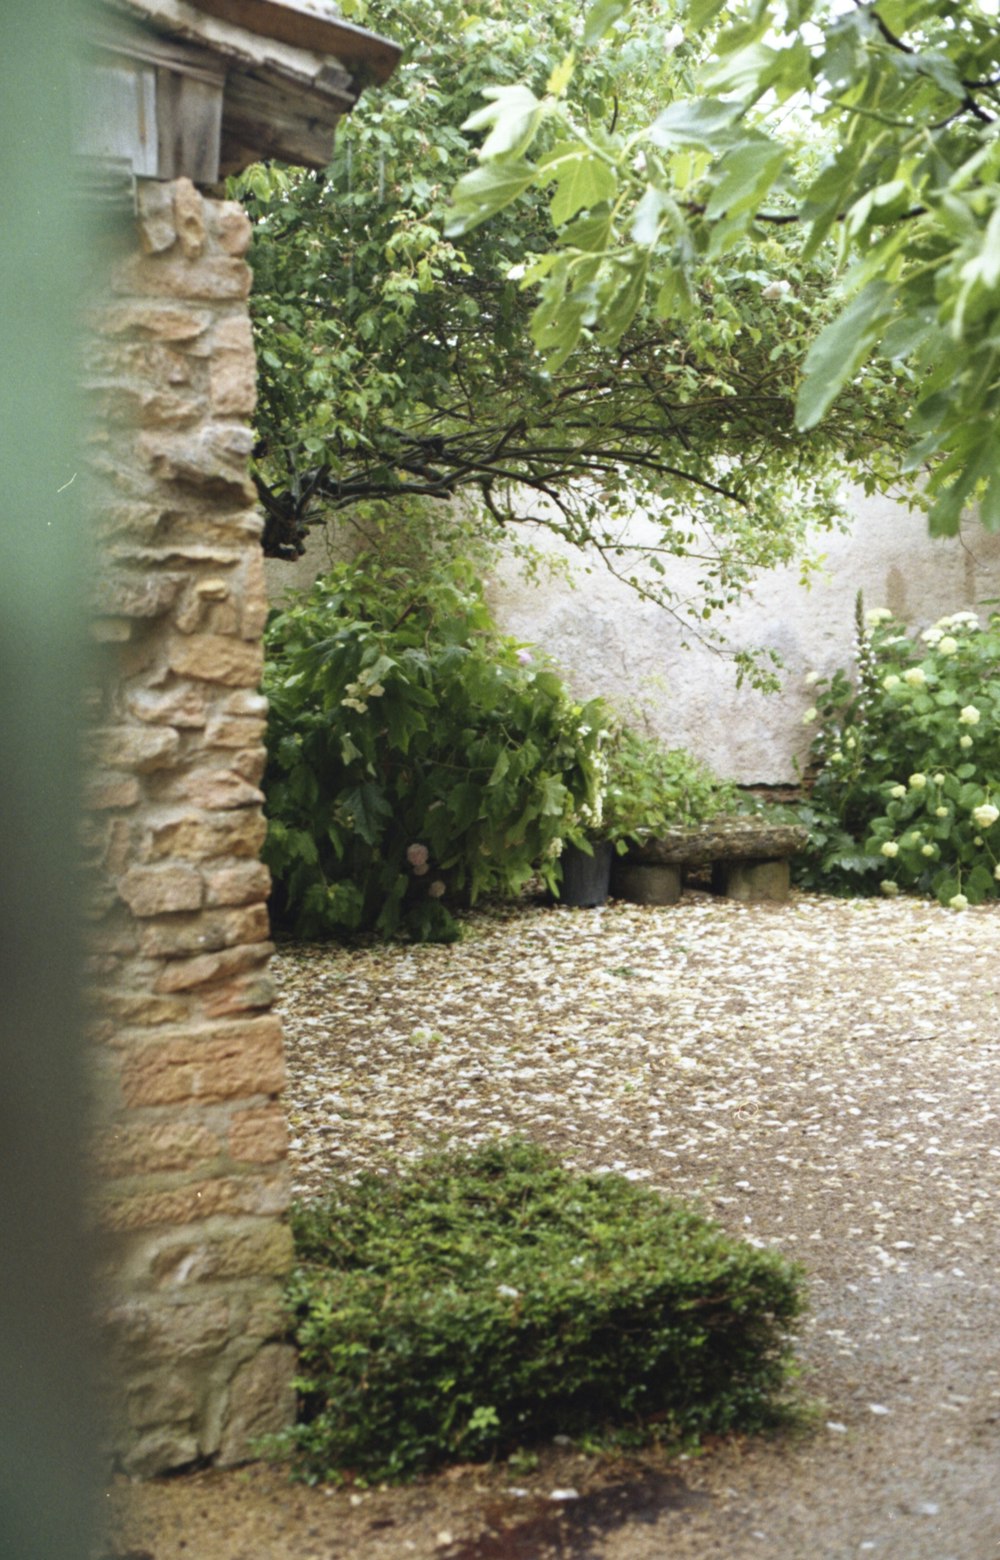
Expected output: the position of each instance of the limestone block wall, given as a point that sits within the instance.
(187, 1056)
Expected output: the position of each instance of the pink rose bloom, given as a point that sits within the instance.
(417, 856)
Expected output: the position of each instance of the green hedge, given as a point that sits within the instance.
(475, 1303)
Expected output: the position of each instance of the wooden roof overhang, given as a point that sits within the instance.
(206, 87)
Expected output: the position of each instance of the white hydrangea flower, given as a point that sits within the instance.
(898, 791)
(932, 636)
(890, 682)
(811, 679)
(941, 812)
(850, 744)
(918, 782)
(878, 615)
(985, 815)
(889, 848)
(965, 742)
(809, 715)
(939, 778)
(915, 676)
(928, 850)
(889, 888)
(996, 872)
(969, 716)
(948, 646)
(958, 902)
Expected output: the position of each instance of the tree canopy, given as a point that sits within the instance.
(901, 99)
(403, 352)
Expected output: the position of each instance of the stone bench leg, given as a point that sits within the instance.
(646, 884)
(752, 881)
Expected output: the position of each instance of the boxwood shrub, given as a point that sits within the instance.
(478, 1302)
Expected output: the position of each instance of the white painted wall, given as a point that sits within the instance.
(607, 641)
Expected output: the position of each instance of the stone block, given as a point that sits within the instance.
(233, 1061)
(230, 226)
(207, 932)
(188, 974)
(141, 749)
(104, 791)
(250, 763)
(182, 706)
(240, 834)
(156, 1331)
(646, 885)
(219, 790)
(211, 279)
(233, 384)
(189, 218)
(154, 1147)
(752, 881)
(247, 995)
(214, 458)
(248, 882)
(158, 890)
(233, 731)
(259, 1134)
(217, 658)
(261, 1402)
(192, 1202)
(155, 213)
(163, 322)
(160, 1452)
(126, 595)
(161, 1400)
(246, 701)
(260, 1249)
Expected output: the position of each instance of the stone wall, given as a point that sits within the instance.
(188, 1063)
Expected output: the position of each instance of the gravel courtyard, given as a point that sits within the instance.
(820, 1076)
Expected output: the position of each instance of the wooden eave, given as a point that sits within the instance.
(289, 73)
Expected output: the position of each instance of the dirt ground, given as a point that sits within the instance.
(820, 1076)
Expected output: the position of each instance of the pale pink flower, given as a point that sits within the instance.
(417, 856)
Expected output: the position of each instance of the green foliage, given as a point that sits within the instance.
(868, 130)
(479, 1302)
(416, 757)
(398, 360)
(649, 788)
(909, 764)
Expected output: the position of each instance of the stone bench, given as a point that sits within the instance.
(748, 860)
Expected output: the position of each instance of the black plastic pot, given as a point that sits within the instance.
(586, 880)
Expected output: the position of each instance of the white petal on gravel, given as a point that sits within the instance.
(835, 1425)
(879, 1408)
(565, 1495)
(929, 1508)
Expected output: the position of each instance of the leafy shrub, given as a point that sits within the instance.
(478, 1302)
(908, 757)
(417, 758)
(649, 788)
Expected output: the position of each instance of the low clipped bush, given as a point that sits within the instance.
(477, 1302)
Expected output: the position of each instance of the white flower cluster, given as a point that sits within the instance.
(985, 815)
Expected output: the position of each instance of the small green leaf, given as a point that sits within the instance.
(601, 18)
(839, 351)
(514, 114)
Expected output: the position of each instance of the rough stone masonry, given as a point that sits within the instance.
(191, 1184)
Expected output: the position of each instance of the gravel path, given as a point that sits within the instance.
(820, 1077)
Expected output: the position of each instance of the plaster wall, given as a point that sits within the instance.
(186, 1063)
(608, 641)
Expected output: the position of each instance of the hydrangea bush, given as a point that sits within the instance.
(907, 761)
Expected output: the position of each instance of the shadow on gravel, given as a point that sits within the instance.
(550, 1529)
